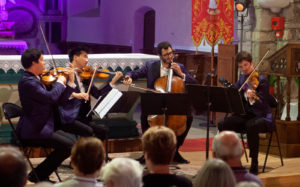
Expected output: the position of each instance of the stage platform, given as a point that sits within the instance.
(274, 176)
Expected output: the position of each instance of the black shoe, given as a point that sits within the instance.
(33, 178)
(179, 159)
(254, 167)
(141, 160)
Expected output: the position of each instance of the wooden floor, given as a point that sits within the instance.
(275, 174)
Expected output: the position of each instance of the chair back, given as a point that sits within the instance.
(273, 104)
(10, 111)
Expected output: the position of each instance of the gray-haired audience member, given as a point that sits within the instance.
(87, 157)
(13, 169)
(227, 146)
(215, 172)
(247, 184)
(122, 172)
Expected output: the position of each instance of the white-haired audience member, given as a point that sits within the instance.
(87, 157)
(215, 172)
(247, 184)
(13, 169)
(122, 172)
(159, 146)
(227, 146)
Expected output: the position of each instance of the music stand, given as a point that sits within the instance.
(226, 100)
(165, 104)
(125, 104)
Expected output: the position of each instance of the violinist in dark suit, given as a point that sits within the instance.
(258, 116)
(36, 125)
(73, 107)
(155, 69)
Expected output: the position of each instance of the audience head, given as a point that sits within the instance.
(247, 184)
(227, 145)
(215, 172)
(159, 145)
(77, 51)
(87, 156)
(122, 172)
(31, 56)
(13, 169)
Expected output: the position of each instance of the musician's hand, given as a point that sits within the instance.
(71, 74)
(177, 69)
(251, 94)
(81, 95)
(117, 76)
(127, 80)
(62, 79)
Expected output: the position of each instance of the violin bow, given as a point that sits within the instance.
(48, 49)
(254, 70)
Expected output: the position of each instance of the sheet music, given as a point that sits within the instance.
(110, 99)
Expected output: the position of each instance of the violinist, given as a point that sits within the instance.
(36, 125)
(153, 70)
(74, 107)
(258, 112)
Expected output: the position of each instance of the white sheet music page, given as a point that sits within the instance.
(110, 99)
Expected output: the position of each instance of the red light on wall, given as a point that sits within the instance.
(278, 26)
(277, 23)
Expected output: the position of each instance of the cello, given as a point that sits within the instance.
(169, 84)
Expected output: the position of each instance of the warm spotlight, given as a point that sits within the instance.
(241, 5)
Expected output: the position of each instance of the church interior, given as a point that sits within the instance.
(206, 37)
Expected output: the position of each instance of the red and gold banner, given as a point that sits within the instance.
(212, 20)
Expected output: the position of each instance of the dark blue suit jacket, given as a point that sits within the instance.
(261, 107)
(37, 103)
(151, 71)
(71, 109)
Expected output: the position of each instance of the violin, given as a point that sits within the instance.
(88, 71)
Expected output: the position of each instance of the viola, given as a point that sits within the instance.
(49, 77)
(253, 82)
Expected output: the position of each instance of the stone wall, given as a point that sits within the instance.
(258, 36)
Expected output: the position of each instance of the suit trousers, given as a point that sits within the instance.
(61, 142)
(249, 124)
(85, 129)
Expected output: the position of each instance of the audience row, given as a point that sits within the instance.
(159, 146)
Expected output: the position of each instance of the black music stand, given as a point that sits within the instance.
(125, 104)
(227, 100)
(165, 104)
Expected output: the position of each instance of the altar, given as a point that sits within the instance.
(11, 68)
(12, 47)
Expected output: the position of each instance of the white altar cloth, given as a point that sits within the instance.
(113, 61)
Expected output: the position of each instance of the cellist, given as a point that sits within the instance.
(153, 70)
(258, 112)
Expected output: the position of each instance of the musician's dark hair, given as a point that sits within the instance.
(29, 56)
(76, 51)
(243, 55)
(163, 45)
